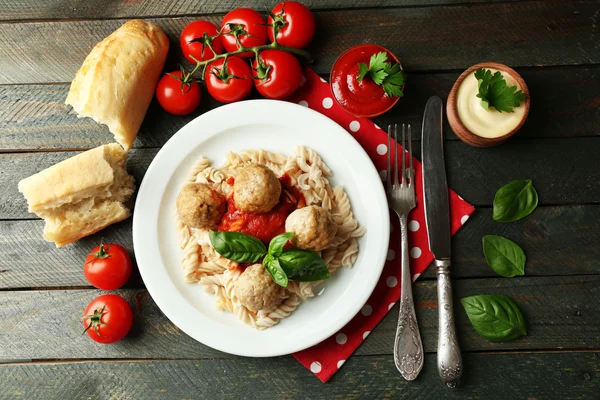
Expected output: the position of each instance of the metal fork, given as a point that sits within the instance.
(408, 348)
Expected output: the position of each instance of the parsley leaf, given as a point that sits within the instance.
(394, 81)
(494, 92)
(383, 73)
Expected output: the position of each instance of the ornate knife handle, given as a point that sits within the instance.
(408, 348)
(450, 365)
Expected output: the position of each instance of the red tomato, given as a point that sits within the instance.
(248, 25)
(196, 38)
(228, 80)
(107, 319)
(177, 95)
(108, 266)
(294, 23)
(277, 74)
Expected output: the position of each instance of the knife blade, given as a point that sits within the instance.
(437, 220)
(435, 185)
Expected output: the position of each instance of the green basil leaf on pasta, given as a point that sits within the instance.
(514, 201)
(495, 317)
(504, 256)
(303, 266)
(278, 242)
(237, 246)
(279, 276)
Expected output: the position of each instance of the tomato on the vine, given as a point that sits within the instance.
(277, 74)
(294, 23)
(178, 93)
(107, 319)
(108, 266)
(228, 79)
(248, 26)
(197, 38)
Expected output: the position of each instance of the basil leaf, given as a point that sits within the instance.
(514, 201)
(504, 256)
(278, 242)
(237, 246)
(271, 264)
(303, 266)
(495, 317)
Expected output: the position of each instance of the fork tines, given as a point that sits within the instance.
(406, 175)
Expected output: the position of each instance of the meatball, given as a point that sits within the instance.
(198, 206)
(256, 189)
(313, 228)
(256, 290)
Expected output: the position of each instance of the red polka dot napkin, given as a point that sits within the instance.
(326, 358)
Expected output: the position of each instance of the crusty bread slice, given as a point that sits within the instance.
(116, 82)
(87, 218)
(81, 195)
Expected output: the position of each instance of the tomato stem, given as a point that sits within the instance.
(256, 49)
(102, 251)
(95, 320)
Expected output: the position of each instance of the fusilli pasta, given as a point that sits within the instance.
(217, 275)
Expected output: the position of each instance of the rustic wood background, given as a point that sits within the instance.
(555, 45)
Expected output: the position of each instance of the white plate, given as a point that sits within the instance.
(276, 126)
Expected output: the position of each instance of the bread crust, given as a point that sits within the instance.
(117, 80)
(71, 180)
(81, 195)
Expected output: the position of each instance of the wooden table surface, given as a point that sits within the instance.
(554, 45)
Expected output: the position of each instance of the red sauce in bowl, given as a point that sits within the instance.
(264, 226)
(362, 99)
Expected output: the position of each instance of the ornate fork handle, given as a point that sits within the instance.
(450, 365)
(408, 348)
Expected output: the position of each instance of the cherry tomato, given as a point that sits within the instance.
(229, 80)
(249, 26)
(294, 23)
(196, 38)
(177, 95)
(108, 266)
(107, 319)
(277, 74)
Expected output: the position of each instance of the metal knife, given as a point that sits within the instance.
(437, 219)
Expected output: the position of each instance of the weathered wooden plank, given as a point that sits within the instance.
(35, 116)
(474, 173)
(16, 166)
(566, 376)
(31, 262)
(558, 241)
(520, 34)
(11, 10)
(562, 313)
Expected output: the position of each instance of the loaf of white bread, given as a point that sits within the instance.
(81, 195)
(116, 82)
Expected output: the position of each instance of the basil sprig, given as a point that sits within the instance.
(495, 317)
(504, 256)
(303, 266)
(237, 246)
(514, 201)
(272, 265)
(278, 243)
(282, 265)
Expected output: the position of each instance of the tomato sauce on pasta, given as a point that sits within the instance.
(264, 226)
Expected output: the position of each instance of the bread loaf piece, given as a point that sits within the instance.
(116, 82)
(81, 195)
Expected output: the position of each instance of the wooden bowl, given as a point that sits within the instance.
(452, 109)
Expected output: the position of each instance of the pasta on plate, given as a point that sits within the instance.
(319, 215)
